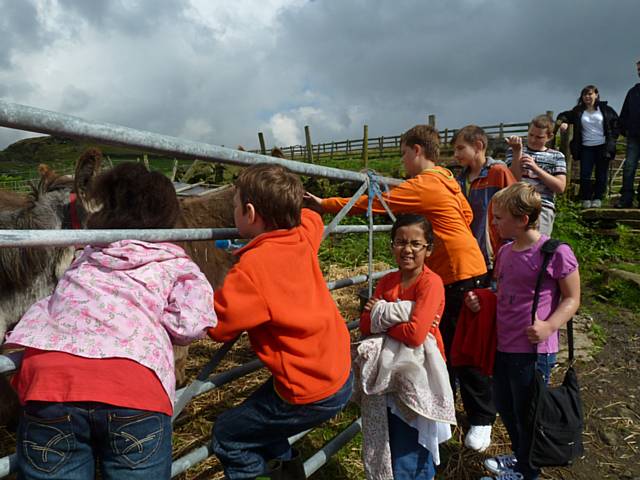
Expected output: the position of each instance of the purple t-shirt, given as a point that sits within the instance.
(517, 273)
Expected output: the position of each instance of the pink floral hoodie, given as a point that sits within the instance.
(130, 299)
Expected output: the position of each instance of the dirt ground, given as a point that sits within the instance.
(608, 377)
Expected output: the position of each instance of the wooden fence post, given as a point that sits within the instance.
(565, 138)
(446, 136)
(291, 152)
(318, 153)
(432, 120)
(263, 148)
(307, 136)
(174, 170)
(365, 147)
(333, 146)
(501, 131)
(381, 146)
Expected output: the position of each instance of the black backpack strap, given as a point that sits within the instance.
(548, 249)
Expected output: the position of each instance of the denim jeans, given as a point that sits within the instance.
(245, 438)
(629, 172)
(513, 374)
(409, 459)
(591, 157)
(64, 440)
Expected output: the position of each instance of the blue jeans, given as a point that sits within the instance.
(245, 438)
(64, 440)
(409, 459)
(591, 157)
(513, 374)
(629, 172)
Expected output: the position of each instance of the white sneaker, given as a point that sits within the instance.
(478, 437)
(596, 204)
(501, 463)
(586, 204)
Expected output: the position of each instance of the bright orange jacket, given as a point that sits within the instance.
(434, 193)
(276, 292)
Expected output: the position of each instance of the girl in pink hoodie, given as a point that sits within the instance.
(97, 380)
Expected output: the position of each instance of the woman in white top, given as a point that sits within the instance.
(595, 130)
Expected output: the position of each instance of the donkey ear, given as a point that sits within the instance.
(87, 168)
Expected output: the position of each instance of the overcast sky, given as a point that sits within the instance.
(220, 71)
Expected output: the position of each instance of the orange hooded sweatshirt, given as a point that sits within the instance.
(436, 194)
(276, 292)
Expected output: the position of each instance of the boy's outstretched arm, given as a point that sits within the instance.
(515, 143)
(568, 306)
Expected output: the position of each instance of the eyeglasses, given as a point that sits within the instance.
(413, 245)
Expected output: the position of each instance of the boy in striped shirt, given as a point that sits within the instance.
(542, 167)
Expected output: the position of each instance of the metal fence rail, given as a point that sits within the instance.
(33, 119)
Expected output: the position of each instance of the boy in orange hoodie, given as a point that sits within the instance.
(276, 292)
(433, 191)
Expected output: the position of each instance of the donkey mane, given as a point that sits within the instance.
(33, 211)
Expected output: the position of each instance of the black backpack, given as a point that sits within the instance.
(554, 417)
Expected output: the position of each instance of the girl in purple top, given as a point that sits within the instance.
(523, 347)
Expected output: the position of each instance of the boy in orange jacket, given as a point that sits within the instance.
(433, 192)
(276, 292)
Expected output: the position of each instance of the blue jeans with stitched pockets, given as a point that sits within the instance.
(409, 459)
(245, 438)
(64, 440)
(629, 172)
(513, 374)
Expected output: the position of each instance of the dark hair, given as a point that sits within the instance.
(412, 219)
(470, 135)
(587, 89)
(275, 192)
(427, 137)
(130, 196)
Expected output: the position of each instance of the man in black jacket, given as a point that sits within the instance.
(630, 127)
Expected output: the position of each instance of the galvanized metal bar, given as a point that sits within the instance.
(194, 457)
(33, 119)
(182, 464)
(63, 238)
(202, 377)
(344, 211)
(10, 362)
(331, 448)
(347, 282)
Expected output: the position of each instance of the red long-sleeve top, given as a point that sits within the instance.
(427, 291)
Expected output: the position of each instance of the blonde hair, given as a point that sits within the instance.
(520, 199)
(544, 122)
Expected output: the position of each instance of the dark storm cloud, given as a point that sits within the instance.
(429, 54)
(20, 30)
(161, 65)
(135, 18)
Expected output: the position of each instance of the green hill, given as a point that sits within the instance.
(21, 159)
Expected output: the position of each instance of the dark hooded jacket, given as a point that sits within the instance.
(611, 127)
(630, 113)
